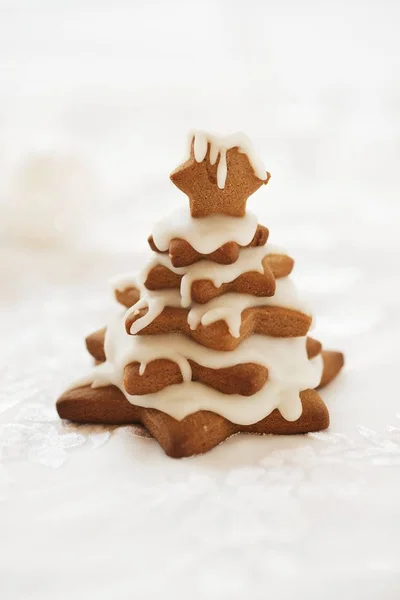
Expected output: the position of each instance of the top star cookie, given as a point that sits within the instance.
(219, 178)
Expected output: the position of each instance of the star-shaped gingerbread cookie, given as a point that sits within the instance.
(217, 179)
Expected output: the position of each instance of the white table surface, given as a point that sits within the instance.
(102, 96)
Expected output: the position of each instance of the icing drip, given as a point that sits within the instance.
(219, 145)
(289, 372)
(205, 234)
(155, 302)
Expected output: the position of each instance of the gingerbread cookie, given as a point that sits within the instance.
(219, 178)
(183, 254)
(197, 433)
(273, 321)
(203, 290)
(214, 341)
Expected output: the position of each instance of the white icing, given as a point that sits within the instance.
(219, 145)
(205, 234)
(289, 372)
(155, 302)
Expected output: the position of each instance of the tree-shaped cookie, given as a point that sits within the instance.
(211, 337)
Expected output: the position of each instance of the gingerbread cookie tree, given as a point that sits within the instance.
(214, 339)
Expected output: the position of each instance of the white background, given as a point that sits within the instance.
(96, 99)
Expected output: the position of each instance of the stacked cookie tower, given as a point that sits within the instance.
(214, 340)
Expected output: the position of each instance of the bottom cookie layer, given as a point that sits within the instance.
(197, 433)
